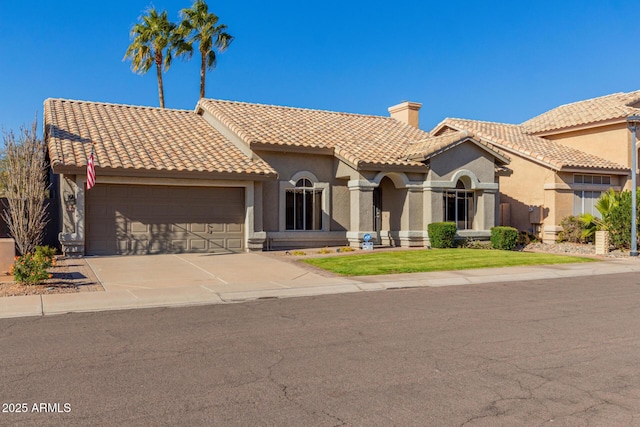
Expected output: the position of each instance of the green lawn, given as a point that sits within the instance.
(434, 260)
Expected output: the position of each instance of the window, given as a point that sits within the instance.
(459, 206)
(303, 206)
(585, 201)
(592, 179)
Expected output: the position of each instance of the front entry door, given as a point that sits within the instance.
(377, 213)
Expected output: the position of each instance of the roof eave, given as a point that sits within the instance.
(157, 173)
(577, 128)
(589, 169)
(366, 166)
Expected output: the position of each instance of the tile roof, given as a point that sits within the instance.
(449, 138)
(513, 138)
(362, 140)
(590, 111)
(141, 138)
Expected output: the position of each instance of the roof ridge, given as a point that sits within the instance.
(480, 121)
(113, 104)
(590, 99)
(288, 107)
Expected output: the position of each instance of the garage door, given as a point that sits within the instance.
(130, 219)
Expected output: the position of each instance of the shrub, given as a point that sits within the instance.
(619, 221)
(442, 234)
(31, 269)
(46, 254)
(345, 249)
(325, 251)
(504, 238)
(524, 238)
(572, 230)
(469, 243)
(590, 225)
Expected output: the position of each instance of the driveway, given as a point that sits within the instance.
(215, 272)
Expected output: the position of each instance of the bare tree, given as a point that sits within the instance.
(24, 185)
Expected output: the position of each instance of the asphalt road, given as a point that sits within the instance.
(556, 352)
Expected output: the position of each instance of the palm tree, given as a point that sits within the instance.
(201, 27)
(608, 201)
(154, 41)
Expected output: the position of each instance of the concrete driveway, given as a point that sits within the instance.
(215, 272)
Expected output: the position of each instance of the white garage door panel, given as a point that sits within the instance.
(127, 219)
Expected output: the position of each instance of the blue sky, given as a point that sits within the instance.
(490, 60)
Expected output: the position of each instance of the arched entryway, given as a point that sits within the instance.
(388, 204)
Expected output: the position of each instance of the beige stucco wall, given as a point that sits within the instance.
(523, 188)
(465, 156)
(445, 166)
(611, 142)
(323, 167)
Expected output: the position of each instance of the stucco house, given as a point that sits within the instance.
(561, 160)
(235, 176)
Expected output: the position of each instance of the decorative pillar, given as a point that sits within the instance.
(414, 229)
(361, 209)
(254, 232)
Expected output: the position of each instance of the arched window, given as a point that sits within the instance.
(459, 206)
(304, 206)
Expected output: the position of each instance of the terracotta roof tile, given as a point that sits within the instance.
(513, 138)
(604, 108)
(359, 139)
(144, 138)
(447, 139)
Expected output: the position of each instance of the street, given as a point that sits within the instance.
(559, 352)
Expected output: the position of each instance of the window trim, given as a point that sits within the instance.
(291, 184)
(466, 194)
(601, 178)
(461, 190)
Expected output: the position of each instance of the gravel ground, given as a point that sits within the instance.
(67, 277)
(571, 249)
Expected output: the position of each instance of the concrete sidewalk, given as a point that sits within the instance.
(209, 293)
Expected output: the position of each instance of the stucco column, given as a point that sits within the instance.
(72, 236)
(361, 209)
(255, 235)
(414, 229)
(485, 212)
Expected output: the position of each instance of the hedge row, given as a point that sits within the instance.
(442, 235)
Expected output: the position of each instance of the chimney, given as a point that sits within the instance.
(406, 112)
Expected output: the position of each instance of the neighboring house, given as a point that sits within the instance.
(234, 176)
(561, 161)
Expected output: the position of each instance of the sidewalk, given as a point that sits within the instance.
(204, 294)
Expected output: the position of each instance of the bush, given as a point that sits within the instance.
(504, 238)
(572, 230)
(31, 269)
(619, 221)
(524, 238)
(442, 234)
(46, 254)
(469, 243)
